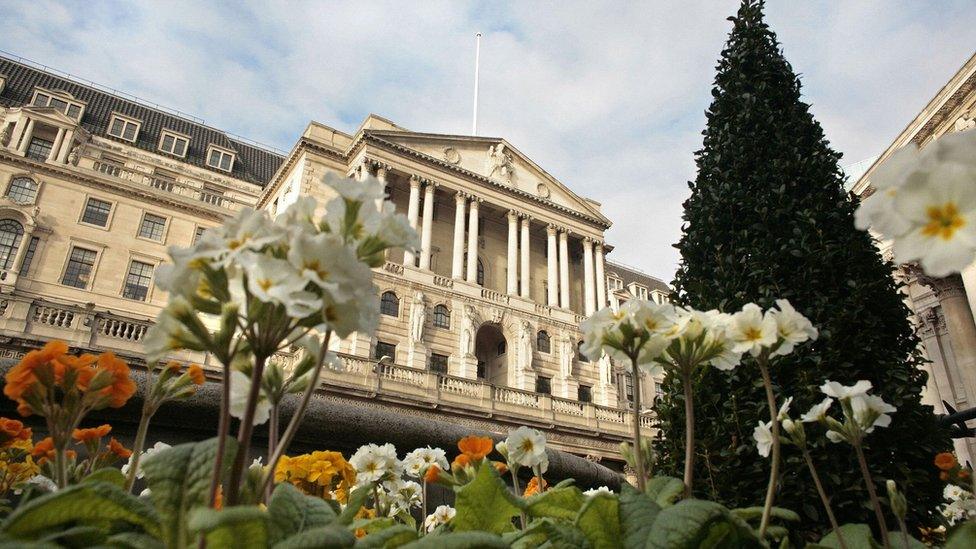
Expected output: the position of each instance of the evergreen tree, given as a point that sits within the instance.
(769, 218)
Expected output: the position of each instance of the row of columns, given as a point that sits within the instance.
(23, 132)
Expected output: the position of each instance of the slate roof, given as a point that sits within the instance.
(630, 275)
(252, 164)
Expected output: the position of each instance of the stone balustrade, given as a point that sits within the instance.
(181, 188)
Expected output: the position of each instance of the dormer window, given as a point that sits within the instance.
(61, 101)
(123, 127)
(173, 143)
(222, 159)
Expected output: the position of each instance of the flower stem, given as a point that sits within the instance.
(512, 468)
(245, 431)
(272, 441)
(423, 503)
(872, 493)
(689, 433)
(223, 428)
(904, 531)
(137, 447)
(823, 498)
(638, 451)
(296, 418)
(774, 468)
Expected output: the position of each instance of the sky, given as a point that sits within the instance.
(608, 97)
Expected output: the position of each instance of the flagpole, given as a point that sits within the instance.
(477, 61)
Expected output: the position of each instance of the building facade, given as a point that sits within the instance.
(943, 308)
(480, 327)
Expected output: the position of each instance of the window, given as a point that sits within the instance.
(96, 212)
(390, 304)
(543, 385)
(79, 269)
(579, 353)
(442, 316)
(29, 255)
(123, 128)
(481, 273)
(584, 393)
(658, 390)
(22, 190)
(39, 149)
(629, 389)
(174, 144)
(10, 234)
(615, 283)
(385, 349)
(162, 181)
(70, 107)
(220, 159)
(198, 234)
(481, 369)
(153, 227)
(542, 342)
(211, 195)
(500, 348)
(137, 281)
(438, 363)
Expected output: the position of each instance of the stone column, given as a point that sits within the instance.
(413, 211)
(25, 141)
(56, 147)
(526, 268)
(589, 291)
(18, 132)
(959, 323)
(66, 146)
(473, 241)
(363, 170)
(457, 259)
(512, 259)
(381, 171)
(428, 227)
(552, 267)
(601, 278)
(564, 269)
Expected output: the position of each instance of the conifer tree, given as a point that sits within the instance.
(769, 218)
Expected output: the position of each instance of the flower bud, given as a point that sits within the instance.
(899, 507)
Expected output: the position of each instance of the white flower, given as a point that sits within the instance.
(418, 461)
(526, 447)
(240, 386)
(442, 515)
(764, 438)
(834, 436)
(601, 330)
(597, 491)
(249, 230)
(751, 331)
(841, 392)
(784, 410)
(328, 262)
(871, 411)
(368, 190)
(818, 411)
(952, 492)
(373, 463)
(792, 328)
(156, 448)
(273, 280)
(299, 217)
(165, 335)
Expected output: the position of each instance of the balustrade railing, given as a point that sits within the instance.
(394, 268)
(492, 295)
(121, 328)
(460, 386)
(53, 316)
(206, 195)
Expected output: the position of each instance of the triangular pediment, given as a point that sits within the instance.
(497, 160)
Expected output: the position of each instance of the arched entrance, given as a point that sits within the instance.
(491, 349)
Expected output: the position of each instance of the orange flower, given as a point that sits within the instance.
(173, 367)
(116, 448)
(476, 447)
(196, 374)
(21, 377)
(43, 450)
(461, 462)
(945, 461)
(964, 474)
(501, 467)
(433, 474)
(122, 388)
(12, 430)
(92, 434)
(533, 487)
(943, 475)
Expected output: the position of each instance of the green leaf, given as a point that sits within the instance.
(110, 475)
(78, 536)
(637, 515)
(484, 504)
(292, 512)
(752, 513)
(86, 503)
(699, 523)
(460, 540)
(962, 537)
(664, 490)
(898, 542)
(326, 537)
(856, 536)
(243, 527)
(355, 502)
(556, 502)
(599, 520)
(179, 481)
(388, 538)
(133, 540)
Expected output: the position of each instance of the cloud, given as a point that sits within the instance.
(608, 97)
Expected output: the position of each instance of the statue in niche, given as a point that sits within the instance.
(418, 317)
(606, 370)
(524, 349)
(965, 122)
(566, 356)
(501, 167)
(74, 155)
(5, 135)
(467, 332)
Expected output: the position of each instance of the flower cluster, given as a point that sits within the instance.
(394, 495)
(442, 515)
(17, 465)
(926, 204)
(324, 474)
(950, 470)
(960, 504)
(419, 461)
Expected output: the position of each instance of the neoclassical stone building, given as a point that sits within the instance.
(480, 327)
(943, 307)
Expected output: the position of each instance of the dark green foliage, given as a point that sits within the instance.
(768, 218)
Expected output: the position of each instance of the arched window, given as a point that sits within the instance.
(442, 316)
(579, 352)
(481, 273)
(22, 190)
(10, 234)
(542, 342)
(390, 304)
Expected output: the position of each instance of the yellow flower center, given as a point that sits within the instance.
(526, 445)
(753, 334)
(265, 284)
(314, 266)
(944, 221)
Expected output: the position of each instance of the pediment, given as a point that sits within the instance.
(497, 160)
